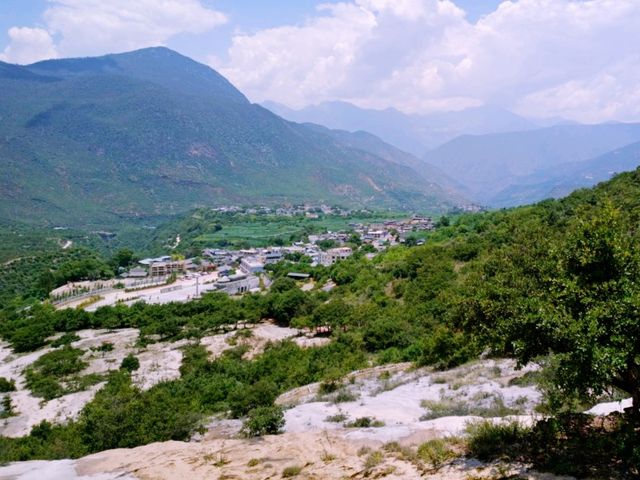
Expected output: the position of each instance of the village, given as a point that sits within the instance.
(171, 278)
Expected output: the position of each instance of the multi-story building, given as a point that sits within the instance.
(334, 255)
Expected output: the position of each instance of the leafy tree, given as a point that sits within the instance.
(582, 304)
(122, 258)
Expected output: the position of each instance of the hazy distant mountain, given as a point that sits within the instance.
(372, 144)
(490, 164)
(99, 140)
(562, 180)
(413, 133)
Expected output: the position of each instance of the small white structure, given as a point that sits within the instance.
(251, 265)
(238, 284)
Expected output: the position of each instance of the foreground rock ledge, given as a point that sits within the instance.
(320, 455)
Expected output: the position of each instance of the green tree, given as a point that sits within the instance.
(122, 258)
(582, 304)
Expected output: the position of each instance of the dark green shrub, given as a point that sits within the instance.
(130, 363)
(65, 339)
(264, 421)
(7, 385)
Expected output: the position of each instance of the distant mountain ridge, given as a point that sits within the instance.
(502, 169)
(114, 138)
(563, 179)
(412, 133)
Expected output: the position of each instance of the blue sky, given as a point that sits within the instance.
(576, 59)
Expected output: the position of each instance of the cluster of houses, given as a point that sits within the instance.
(240, 271)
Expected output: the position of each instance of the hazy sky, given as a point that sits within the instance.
(578, 59)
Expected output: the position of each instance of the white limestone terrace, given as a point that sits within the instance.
(395, 395)
(159, 362)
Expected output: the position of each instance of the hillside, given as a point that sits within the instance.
(488, 164)
(370, 143)
(107, 140)
(412, 133)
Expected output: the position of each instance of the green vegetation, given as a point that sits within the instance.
(575, 444)
(436, 452)
(263, 421)
(364, 422)
(209, 228)
(46, 376)
(558, 279)
(130, 363)
(291, 471)
(33, 277)
(446, 407)
(7, 385)
(161, 136)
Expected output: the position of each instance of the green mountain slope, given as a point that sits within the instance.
(110, 139)
(372, 144)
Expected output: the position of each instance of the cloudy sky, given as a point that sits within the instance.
(578, 59)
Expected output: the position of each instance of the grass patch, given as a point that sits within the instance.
(364, 422)
(65, 339)
(436, 452)
(486, 405)
(344, 396)
(337, 418)
(327, 457)
(7, 385)
(292, 471)
(487, 440)
(373, 460)
(529, 379)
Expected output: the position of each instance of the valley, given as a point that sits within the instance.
(364, 240)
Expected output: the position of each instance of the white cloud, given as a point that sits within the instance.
(28, 45)
(94, 27)
(541, 57)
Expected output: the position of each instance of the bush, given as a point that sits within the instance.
(364, 422)
(104, 347)
(337, 418)
(7, 385)
(264, 421)
(292, 471)
(44, 375)
(130, 363)
(7, 407)
(65, 339)
(487, 440)
(435, 452)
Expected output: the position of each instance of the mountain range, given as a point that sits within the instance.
(514, 168)
(146, 133)
(412, 133)
(495, 157)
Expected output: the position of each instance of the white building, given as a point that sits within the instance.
(251, 265)
(334, 255)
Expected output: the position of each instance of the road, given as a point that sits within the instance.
(182, 290)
